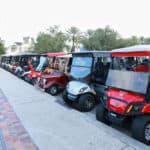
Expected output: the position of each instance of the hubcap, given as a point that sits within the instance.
(147, 132)
(89, 103)
(53, 90)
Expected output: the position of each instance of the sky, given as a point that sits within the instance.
(19, 18)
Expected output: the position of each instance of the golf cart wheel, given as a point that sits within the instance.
(65, 98)
(101, 113)
(53, 90)
(26, 78)
(141, 129)
(34, 81)
(86, 102)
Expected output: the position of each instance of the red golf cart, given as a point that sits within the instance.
(127, 98)
(57, 78)
(46, 60)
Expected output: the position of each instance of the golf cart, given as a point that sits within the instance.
(57, 78)
(26, 63)
(5, 61)
(46, 60)
(127, 98)
(88, 73)
(13, 63)
(2, 61)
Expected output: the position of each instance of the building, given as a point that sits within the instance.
(27, 45)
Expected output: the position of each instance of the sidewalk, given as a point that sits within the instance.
(12, 133)
(54, 126)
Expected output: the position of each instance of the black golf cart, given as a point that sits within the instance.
(88, 74)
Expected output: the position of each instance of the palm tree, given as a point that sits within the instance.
(74, 35)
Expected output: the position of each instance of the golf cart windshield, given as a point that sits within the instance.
(43, 61)
(81, 67)
(128, 80)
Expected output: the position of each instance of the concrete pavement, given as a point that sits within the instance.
(54, 126)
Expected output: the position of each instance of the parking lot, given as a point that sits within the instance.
(53, 125)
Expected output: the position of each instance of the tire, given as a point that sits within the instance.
(86, 102)
(53, 90)
(26, 78)
(33, 81)
(18, 74)
(65, 98)
(141, 125)
(101, 113)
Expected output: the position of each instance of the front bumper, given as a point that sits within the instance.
(116, 118)
(71, 97)
(77, 88)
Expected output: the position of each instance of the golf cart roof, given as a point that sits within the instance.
(28, 55)
(137, 50)
(93, 53)
(25, 54)
(65, 56)
(54, 54)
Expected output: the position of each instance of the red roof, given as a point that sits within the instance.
(130, 54)
(139, 50)
(55, 54)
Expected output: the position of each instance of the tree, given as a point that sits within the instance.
(51, 41)
(87, 40)
(101, 39)
(107, 39)
(2, 48)
(54, 40)
(127, 42)
(74, 36)
(146, 41)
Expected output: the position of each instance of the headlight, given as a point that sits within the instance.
(83, 89)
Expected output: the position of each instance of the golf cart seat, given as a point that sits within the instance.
(98, 73)
(98, 68)
(142, 67)
(145, 62)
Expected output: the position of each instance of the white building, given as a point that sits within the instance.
(27, 45)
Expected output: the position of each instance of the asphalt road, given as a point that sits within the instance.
(54, 126)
